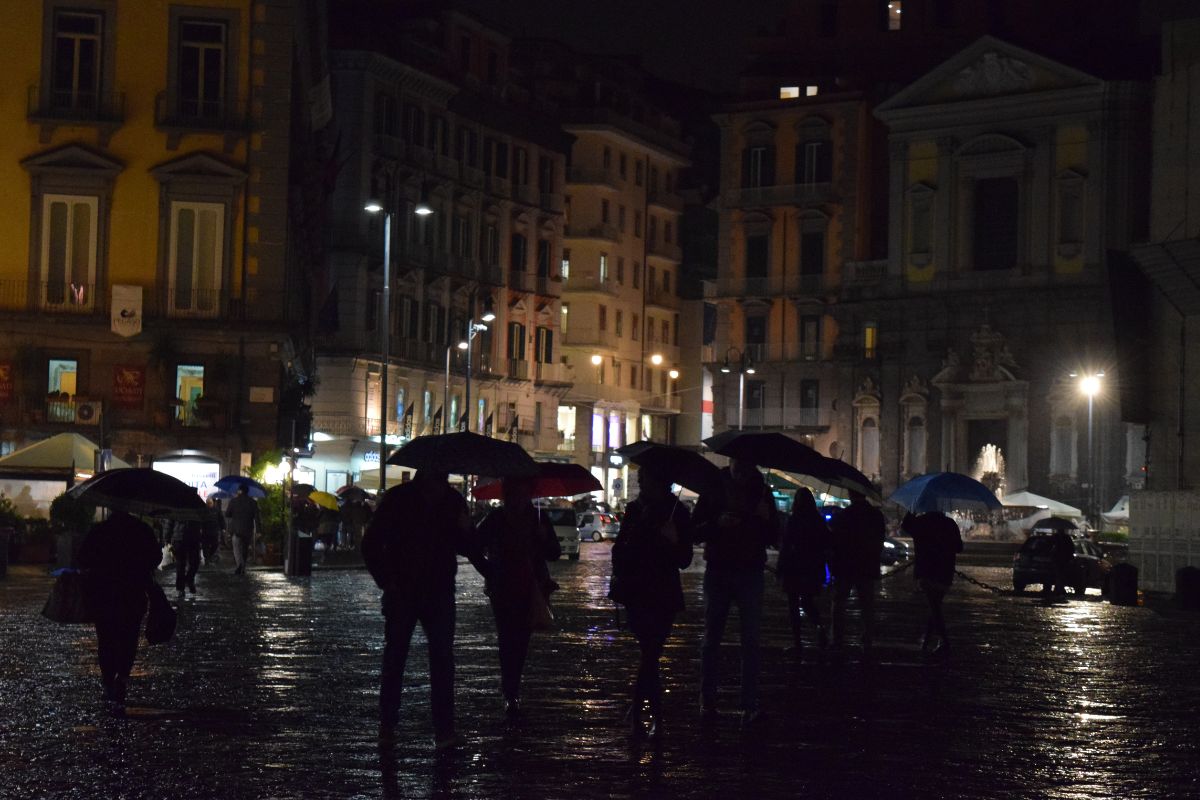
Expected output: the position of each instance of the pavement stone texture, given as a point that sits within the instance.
(269, 690)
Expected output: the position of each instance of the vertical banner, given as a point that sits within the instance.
(129, 387)
(6, 381)
(126, 310)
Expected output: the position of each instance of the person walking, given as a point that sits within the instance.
(410, 550)
(736, 524)
(938, 542)
(858, 532)
(354, 517)
(118, 558)
(185, 543)
(243, 516)
(654, 545)
(518, 543)
(1064, 560)
(801, 566)
(213, 532)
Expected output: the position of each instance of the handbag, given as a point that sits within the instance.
(541, 617)
(67, 603)
(160, 622)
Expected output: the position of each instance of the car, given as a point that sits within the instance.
(1034, 563)
(596, 526)
(894, 551)
(565, 528)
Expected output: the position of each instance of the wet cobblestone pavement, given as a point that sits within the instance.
(269, 691)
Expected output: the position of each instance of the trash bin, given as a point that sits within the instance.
(1187, 588)
(299, 561)
(1123, 582)
(6, 537)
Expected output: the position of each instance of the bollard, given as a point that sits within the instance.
(1187, 588)
(1123, 582)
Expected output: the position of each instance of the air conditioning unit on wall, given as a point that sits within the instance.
(87, 412)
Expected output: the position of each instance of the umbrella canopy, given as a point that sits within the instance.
(1055, 524)
(553, 480)
(945, 491)
(231, 484)
(352, 494)
(324, 500)
(303, 489)
(684, 467)
(777, 451)
(842, 475)
(219, 494)
(141, 491)
(465, 453)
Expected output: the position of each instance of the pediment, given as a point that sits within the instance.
(72, 158)
(988, 68)
(198, 166)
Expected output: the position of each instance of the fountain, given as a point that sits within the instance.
(989, 469)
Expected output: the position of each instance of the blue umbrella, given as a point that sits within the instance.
(945, 491)
(231, 483)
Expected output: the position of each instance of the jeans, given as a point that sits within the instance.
(241, 552)
(187, 563)
(864, 590)
(435, 612)
(722, 589)
(651, 627)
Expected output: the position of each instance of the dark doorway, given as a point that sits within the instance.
(996, 206)
(981, 432)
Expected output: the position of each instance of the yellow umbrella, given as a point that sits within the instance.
(324, 500)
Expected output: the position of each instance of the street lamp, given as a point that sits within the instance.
(474, 328)
(745, 366)
(373, 207)
(446, 389)
(1090, 386)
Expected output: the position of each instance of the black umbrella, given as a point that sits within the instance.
(465, 453)
(1055, 524)
(141, 491)
(352, 494)
(777, 451)
(684, 467)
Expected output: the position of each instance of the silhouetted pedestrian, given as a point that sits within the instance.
(858, 533)
(938, 542)
(736, 524)
(243, 516)
(118, 558)
(185, 544)
(354, 518)
(1064, 560)
(410, 550)
(802, 558)
(654, 545)
(518, 545)
(212, 533)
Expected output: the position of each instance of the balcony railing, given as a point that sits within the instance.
(172, 111)
(603, 176)
(774, 351)
(662, 402)
(668, 200)
(520, 280)
(446, 166)
(526, 193)
(491, 274)
(786, 418)
(472, 176)
(92, 299)
(552, 201)
(658, 296)
(667, 250)
(549, 285)
(608, 233)
(769, 286)
(389, 146)
(518, 369)
(787, 194)
(75, 106)
(501, 187)
(549, 373)
(588, 339)
(865, 272)
(590, 283)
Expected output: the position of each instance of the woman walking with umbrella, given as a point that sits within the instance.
(517, 544)
(802, 559)
(655, 544)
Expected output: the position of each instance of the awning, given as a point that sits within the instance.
(1031, 500)
(65, 451)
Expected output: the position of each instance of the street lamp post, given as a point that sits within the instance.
(745, 367)
(1090, 386)
(474, 328)
(385, 337)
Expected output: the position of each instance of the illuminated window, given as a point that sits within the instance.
(811, 91)
(891, 15)
(189, 385)
(564, 315)
(870, 340)
(603, 267)
(68, 250)
(789, 92)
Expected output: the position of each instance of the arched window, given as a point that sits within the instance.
(915, 446)
(869, 448)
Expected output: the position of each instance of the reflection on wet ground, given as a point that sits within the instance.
(269, 690)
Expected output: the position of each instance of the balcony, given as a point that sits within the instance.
(661, 402)
(525, 193)
(552, 201)
(421, 156)
(491, 274)
(549, 373)
(500, 187)
(447, 166)
(464, 266)
(588, 339)
(520, 280)
(418, 352)
(768, 286)
(593, 176)
(178, 116)
(472, 176)
(661, 298)
(865, 272)
(667, 250)
(389, 146)
(518, 369)
(550, 285)
(780, 419)
(591, 283)
(666, 200)
(763, 353)
(345, 425)
(51, 108)
(607, 233)
(788, 194)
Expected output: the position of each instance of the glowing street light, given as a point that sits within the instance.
(1090, 386)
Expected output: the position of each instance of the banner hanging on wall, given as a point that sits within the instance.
(126, 310)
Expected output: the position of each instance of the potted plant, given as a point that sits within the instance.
(70, 520)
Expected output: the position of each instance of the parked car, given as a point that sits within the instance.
(894, 551)
(566, 529)
(1034, 563)
(596, 526)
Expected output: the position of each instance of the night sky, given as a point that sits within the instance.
(697, 42)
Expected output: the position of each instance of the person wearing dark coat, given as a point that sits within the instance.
(118, 558)
(517, 543)
(213, 533)
(736, 523)
(654, 545)
(1064, 559)
(185, 544)
(411, 549)
(938, 542)
(801, 566)
(858, 533)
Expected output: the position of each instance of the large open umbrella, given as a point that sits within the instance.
(465, 453)
(777, 451)
(684, 467)
(142, 491)
(945, 491)
(352, 494)
(553, 480)
(231, 484)
(324, 500)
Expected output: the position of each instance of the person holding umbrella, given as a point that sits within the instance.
(243, 516)
(801, 567)
(118, 558)
(518, 543)
(654, 545)
(858, 534)
(410, 549)
(938, 542)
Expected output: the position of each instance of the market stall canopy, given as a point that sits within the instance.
(61, 453)
(1031, 500)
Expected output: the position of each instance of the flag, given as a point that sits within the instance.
(487, 425)
(462, 422)
(512, 428)
(406, 425)
(437, 420)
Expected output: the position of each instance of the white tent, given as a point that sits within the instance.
(1031, 500)
(33, 476)
(1119, 515)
